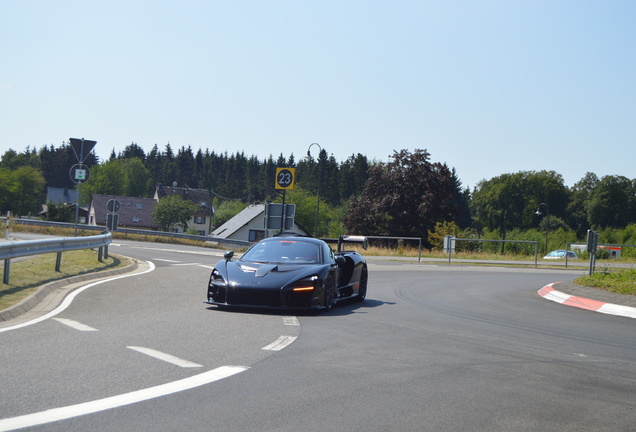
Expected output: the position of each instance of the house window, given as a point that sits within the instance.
(256, 235)
(136, 219)
(199, 219)
(138, 205)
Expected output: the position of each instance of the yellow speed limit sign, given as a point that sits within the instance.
(285, 178)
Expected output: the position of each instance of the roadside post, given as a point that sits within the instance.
(6, 229)
(592, 244)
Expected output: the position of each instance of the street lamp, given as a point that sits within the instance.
(547, 222)
(319, 181)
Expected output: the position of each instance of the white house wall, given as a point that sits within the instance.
(257, 223)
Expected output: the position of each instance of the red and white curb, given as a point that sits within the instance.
(550, 293)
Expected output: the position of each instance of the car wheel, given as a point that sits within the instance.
(362, 290)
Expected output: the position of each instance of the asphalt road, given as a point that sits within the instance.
(434, 347)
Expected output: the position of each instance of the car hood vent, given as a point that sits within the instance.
(261, 270)
(265, 269)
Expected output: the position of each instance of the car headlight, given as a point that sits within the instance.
(216, 278)
(306, 284)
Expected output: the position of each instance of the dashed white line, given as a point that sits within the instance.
(291, 321)
(64, 413)
(280, 343)
(165, 357)
(74, 324)
(166, 260)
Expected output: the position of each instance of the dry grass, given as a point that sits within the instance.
(27, 275)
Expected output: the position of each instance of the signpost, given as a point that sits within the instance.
(274, 217)
(79, 172)
(82, 148)
(113, 205)
(112, 218)
(285, 179)
(592, 246)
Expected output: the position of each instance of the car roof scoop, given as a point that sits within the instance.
(265, 269)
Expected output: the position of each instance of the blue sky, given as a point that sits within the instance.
(489, 87)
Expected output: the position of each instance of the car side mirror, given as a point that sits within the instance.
(340, 260)
(228, 255)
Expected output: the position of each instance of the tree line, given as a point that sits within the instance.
(409, 196)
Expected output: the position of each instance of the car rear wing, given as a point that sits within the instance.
(363, 240)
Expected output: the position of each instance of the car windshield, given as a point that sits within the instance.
(283, 252)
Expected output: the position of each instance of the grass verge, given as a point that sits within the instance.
(616, 281)
(28, 275)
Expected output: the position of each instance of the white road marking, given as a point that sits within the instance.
(154, 248)
(165, 357)
(64, 413)
(206, 266)
(166, 260)
(280, 343)
(185, 264)
(76, 325)
(69, 299)
(291, 321)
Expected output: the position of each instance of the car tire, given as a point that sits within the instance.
(364, 280)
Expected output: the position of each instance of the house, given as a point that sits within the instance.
(200, 221)
(61, 196)
(248, 225)
(134, 212)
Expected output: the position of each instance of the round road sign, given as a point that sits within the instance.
(285, 178)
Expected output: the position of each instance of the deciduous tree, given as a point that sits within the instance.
(25, 190)
(404, 197)
(172, 211)
(610, 202)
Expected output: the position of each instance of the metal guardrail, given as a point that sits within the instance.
(367, 238)
(17, 249)
(132, 231)
(453, 240)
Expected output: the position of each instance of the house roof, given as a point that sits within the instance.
(134, 212)
(244, 217)
(200, 197)
(60, 195)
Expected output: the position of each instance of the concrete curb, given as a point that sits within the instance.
(549, 293)
(58, 287)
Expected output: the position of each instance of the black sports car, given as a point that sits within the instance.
(289, 271)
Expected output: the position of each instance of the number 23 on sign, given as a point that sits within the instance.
(285, 178)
